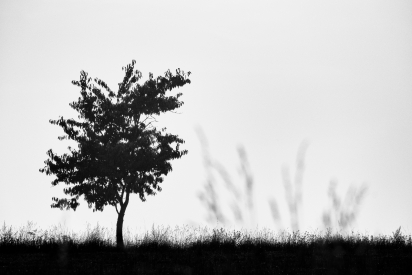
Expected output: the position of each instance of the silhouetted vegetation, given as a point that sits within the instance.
(120, 151)
(202, 251)
(327, 254)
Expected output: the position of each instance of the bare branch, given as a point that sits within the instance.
(175, 113)
(147, 117)
(152, 117)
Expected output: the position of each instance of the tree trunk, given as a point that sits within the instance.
(119, 228)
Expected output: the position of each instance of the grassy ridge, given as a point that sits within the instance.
(202, 251)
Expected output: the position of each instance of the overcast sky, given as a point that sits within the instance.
(266, 75)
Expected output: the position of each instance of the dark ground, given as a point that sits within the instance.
(212, 260)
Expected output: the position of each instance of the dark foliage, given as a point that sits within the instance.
(120, 151)
(212, 255)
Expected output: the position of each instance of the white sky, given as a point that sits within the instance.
(266, 75)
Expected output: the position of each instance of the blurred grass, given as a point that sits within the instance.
(340, 215)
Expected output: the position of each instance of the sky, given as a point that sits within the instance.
(332, 78)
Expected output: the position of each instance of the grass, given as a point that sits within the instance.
(201, 251)
(340, 213)
(216, 251)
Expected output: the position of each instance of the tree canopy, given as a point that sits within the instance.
(120, 150)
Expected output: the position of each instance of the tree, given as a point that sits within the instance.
(120, 151)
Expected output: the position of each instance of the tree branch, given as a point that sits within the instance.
(115, 206)
(175, 113)
(121, 197)
(118, 196)
(127, 197)
(145, 119)
(136, 120)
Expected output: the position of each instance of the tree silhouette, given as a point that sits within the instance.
(120, 151)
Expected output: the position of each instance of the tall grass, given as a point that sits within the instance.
(201, 251)
(31, 238)
(341, 214)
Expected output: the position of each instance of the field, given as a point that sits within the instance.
(201, 251)
(216, 251)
